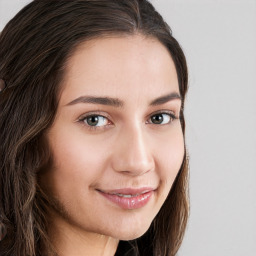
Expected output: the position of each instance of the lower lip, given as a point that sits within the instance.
(129, 203)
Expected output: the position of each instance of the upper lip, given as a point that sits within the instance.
(128, 191)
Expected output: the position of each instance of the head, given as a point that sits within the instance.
(53, 163)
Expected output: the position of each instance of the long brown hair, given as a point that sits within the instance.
(34, 48)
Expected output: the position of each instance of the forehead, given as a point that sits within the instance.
(120, 67)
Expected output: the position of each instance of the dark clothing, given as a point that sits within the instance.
(126, 249)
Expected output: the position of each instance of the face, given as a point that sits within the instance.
(117, 143)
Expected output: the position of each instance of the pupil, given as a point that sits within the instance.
(93, 120)
(158, 119)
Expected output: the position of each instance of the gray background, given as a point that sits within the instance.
(219, 40)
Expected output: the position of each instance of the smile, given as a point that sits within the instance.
(129, 199)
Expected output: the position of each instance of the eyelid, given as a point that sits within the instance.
(169, 112)
(94, 113)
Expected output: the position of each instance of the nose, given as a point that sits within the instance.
(132, 154)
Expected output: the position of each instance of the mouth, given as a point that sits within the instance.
(128, 198)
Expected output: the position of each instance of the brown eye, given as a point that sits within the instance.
(157, 119)
(162, 118)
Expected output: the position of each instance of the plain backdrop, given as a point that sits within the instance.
(219, 41)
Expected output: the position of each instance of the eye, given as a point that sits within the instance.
(93, 121)
(162, 118)
(99, 122)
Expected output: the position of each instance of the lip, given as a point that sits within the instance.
(129, 198)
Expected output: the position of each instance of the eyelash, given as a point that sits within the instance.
(90, 127)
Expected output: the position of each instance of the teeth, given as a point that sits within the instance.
(126, 196)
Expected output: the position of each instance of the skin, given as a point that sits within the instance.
(126, 150)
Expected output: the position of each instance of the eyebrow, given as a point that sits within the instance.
(114, 102)
(165, 99)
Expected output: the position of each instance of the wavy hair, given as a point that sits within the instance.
(34, 49)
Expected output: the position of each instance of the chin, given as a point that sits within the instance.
(130, 233)
(132, 236)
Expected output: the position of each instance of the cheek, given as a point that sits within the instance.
(76, 165)
(76, 157)
(169, 157)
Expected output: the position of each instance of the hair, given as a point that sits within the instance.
(34, 49)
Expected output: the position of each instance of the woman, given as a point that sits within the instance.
(93, 160)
